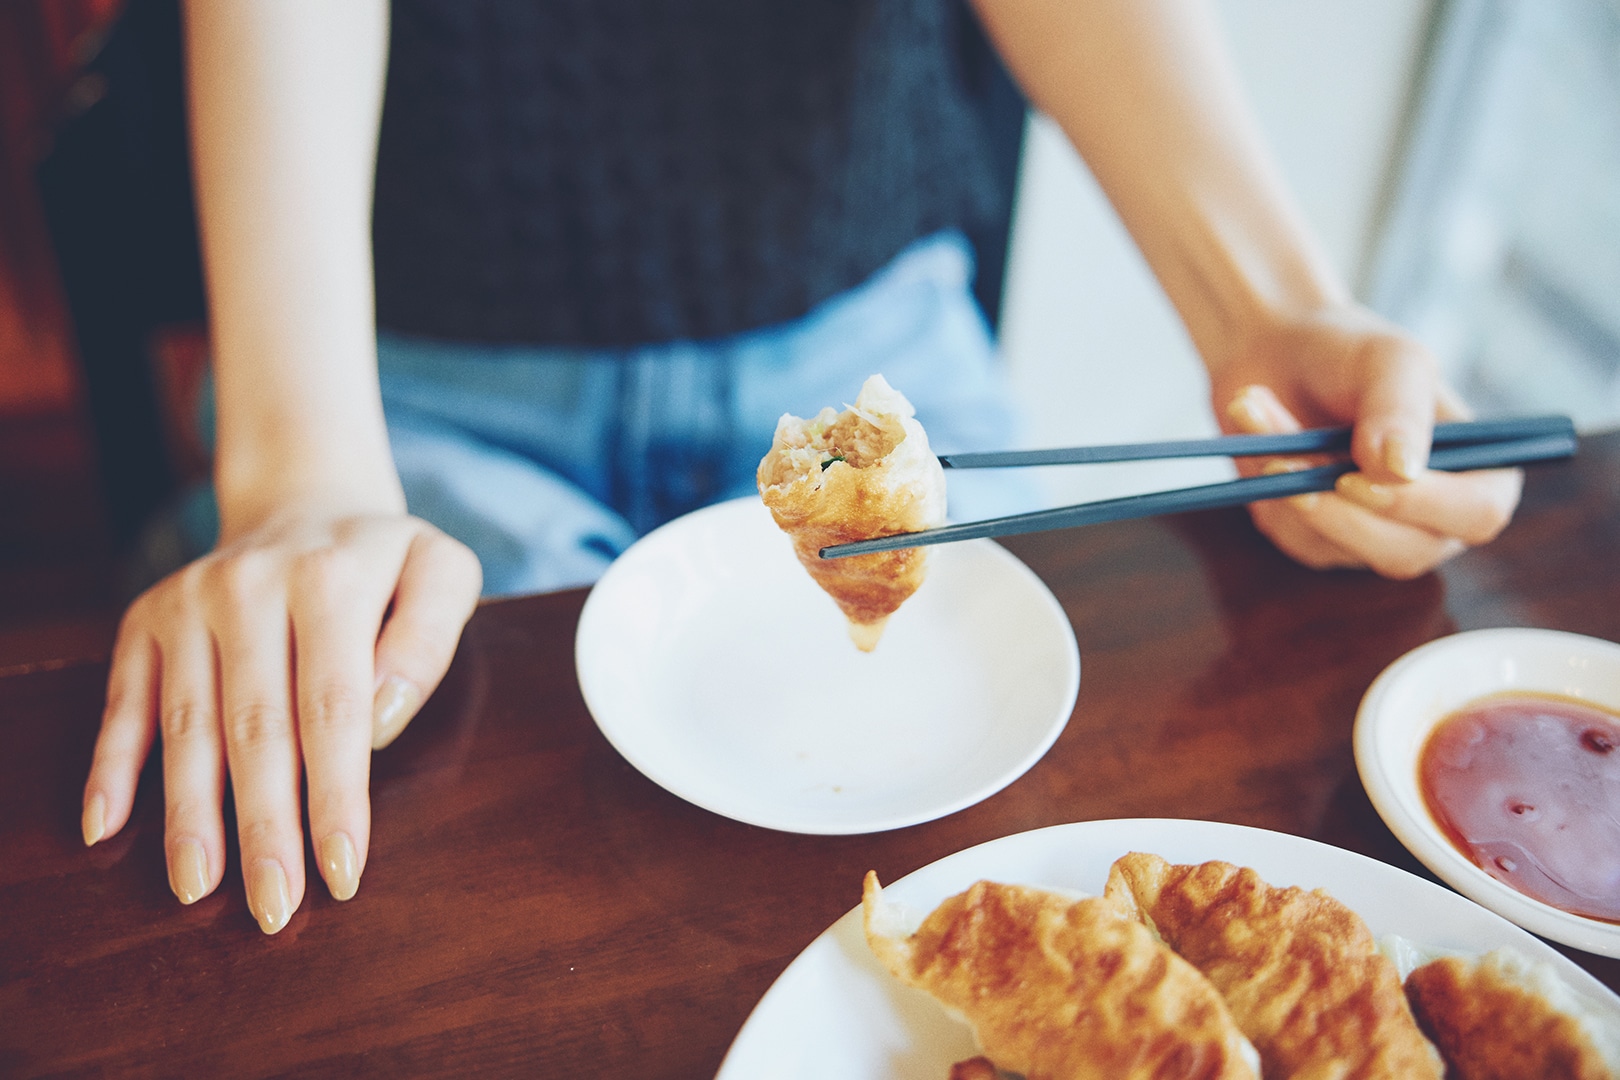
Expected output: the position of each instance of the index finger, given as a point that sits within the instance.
(1394, 422)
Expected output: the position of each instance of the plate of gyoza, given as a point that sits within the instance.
(1169, 948)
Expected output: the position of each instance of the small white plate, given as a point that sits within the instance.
(1414, 693)
(836, 1012)
(718, 668)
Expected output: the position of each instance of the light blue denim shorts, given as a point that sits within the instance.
(548, 462)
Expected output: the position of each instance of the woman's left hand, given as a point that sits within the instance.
(1344, 364)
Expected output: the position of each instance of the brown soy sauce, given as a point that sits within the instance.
(1528, 787)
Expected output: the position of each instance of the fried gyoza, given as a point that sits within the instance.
(1300, 971)
(1503, 1018)
(1060, 989)
(862, 473)
(979, 1068)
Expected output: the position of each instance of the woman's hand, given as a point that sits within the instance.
(298, 647)
(1343, 364)
(327, 614)
(1147, 94)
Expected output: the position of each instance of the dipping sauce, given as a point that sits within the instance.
(1528, 787)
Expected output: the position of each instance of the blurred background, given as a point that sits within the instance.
(1459, 159)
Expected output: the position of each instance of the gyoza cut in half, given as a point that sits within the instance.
(853, 475)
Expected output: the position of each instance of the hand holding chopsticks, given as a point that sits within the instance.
(1483, 444)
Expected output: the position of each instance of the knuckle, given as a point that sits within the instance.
(165, 605)
(185, 814)
(258, 835)
(324, 573)
(258, 723)
(332, 707)
(127, 701)
(239, 578)
(440, 547)
(185, 720)
(140, 611)
(1387, 346)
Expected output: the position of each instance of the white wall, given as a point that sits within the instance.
(1093, 347)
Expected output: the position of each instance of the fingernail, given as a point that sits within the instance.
(1244, 411)
(188, 871)
(1402, 458)
(268, 897)
(1275, 466)
(1358, 489)
(396, 702)
(94, 822)
(339, 866)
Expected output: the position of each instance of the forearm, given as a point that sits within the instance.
(285, 102)
(1143, 90)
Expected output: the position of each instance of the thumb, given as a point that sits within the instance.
(438, 589)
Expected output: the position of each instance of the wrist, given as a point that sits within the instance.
(254, 490)
(1243, 293)
(300, 425)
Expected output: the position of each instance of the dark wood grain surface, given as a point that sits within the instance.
(535, 907)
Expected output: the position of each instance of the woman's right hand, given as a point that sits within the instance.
(298, 647)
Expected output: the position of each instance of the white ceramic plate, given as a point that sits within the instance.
(836, 1013)
(1423, 687)
(717, 667)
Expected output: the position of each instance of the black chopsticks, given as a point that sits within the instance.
(1314, 441)
(1474, 445)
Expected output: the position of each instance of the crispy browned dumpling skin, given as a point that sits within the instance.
(979, 1068)
(1300, 971)
(1058, 989)
(1489, 1026)
(865, 472)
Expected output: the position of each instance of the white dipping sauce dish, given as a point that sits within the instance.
(1420, 689)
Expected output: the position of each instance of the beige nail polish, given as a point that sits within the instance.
(1402, 458)
(1244, 412)
(396, 702)
(1275, 466)
(268, 897)
(188, 871)
(1358, 489)
(340, 866)
(94, 822)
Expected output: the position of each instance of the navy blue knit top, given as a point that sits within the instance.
(614, 172)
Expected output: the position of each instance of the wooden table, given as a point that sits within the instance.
(535, 907)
